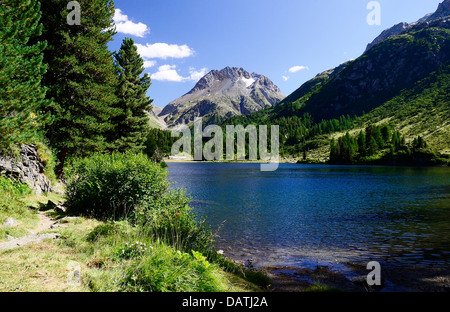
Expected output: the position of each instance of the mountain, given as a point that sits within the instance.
(229, 92)
(155, 121)
(442, 11)
(381, 73)
(402, 80)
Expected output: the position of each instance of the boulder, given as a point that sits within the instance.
(10, 222)
(28, 169)
(362, 281)
(59, 207)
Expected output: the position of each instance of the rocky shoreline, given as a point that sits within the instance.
(395, 279)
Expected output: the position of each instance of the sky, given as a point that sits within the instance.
(289, 41)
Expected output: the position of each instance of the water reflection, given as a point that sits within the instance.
(324, 213)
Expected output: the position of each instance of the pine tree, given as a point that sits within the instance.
(348, 149)
(378, 137)
(334, 154)
(132, 125)
(362, 143)
(81, 76)
(22, 98)
(372, 146)
(386, 133)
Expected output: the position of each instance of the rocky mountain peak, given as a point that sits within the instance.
(443, 10)
(228, 92)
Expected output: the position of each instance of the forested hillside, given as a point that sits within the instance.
(402, 82)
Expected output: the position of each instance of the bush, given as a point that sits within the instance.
(47, 157)
(171, 219)
(113, 186)
(134, 189)
(164, 269)
(9, 188)
(101, 231)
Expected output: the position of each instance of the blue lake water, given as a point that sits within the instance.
(303, 215)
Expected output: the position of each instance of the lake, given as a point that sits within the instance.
(305, 215)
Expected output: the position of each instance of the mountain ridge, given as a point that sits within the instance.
(403, 58)
(225, 93)
(402, 81)
(442, 11)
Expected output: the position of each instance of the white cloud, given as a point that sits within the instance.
(285, 78)
(164, 50)
(119, 16)
(169, 73)
(149, 63)
(125, 26)
(295, 69)
(196, 75)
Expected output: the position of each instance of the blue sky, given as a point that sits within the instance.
(289, 41)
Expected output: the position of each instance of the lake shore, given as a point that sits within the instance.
(281, 161)
(410, 279)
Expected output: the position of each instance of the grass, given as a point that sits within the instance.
(47, 266)
(95, 248)
(159, 247)
(13, 205)
(17, 201)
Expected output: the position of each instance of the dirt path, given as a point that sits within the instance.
(45, 223)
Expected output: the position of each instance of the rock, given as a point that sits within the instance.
(442, 12)
(10, 222)
(29, 169)
(28, 239)
(225, 93)
(394, 30)
(362, 281)
(359, 280)
(50, 205)
(59, 207)
(57, 226)
(67, 219)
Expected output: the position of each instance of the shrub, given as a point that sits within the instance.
(47, 157)
(101, 231)
(171, 219)
(113, 186)
(13, 189)
(134, 250)
(133, 188)
(165, 269)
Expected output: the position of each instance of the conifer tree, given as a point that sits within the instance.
(81, 76)
(362, 143)
(386, 133)
(334, 154)
(22, 98)
(132, 124)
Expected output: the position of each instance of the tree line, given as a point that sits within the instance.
(370, 144)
